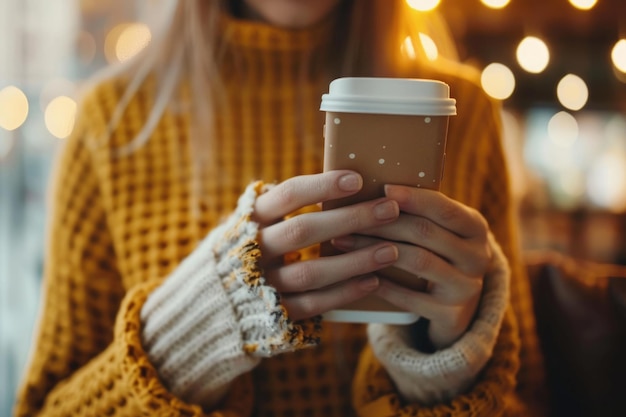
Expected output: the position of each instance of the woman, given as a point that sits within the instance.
(181, 280)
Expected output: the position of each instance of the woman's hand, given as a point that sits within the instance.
(443, 241)
(313, 287)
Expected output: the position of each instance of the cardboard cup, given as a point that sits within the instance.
(391, 131)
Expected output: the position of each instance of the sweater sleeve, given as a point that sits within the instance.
(430, 378)
(489, 395)
(214, 317)
(87, 357)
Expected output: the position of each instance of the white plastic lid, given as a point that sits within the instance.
(405, 96)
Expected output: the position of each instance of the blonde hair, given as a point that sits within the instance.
(187, 47)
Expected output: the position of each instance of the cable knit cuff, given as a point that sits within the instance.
(214, 317)
(430, 378)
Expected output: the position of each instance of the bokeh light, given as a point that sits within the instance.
(618, 55)
(563, 129)
(430, 48)
(583, 4)
(495, 4)
(423, 5)
(125, 41)
(408, 49)
(13, 108)
(606, 183)
(132, 40)
(498, 81)
(59, 116)
(533, 54)
(572, 92)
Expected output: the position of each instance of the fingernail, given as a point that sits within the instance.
(344, 242)
(350, 182)
(386, 254)
(386, 210)
(368, 283)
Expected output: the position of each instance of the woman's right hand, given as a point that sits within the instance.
(315, 286)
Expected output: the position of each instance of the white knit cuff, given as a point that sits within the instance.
(431, 378)
(214, 316)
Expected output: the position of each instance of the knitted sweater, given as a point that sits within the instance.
(123, 230)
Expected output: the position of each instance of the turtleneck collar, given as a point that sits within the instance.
(243, 33)
(252, 49)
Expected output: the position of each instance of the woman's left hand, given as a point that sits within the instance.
(442, 241)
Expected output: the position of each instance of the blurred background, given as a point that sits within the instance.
(559, 67)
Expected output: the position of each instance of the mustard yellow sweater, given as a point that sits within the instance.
(120, 226)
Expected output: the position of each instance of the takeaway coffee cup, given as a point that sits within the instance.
(391, 131)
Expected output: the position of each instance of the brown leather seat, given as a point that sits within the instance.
(581, 319)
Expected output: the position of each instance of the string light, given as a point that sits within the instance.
(423, 5)
(59, 116)
(13, 108)
(430, 48)
(495, 4)
(533, 54)
(498, 81)
(618, 55)
(572, 92)
(126, 40)
(428, 45)
(583, 4)
(408, 49)
(132, 40)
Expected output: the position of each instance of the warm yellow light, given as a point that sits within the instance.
(126, 40)
(583, 4)
(498, 81)
(618, 55)
(495, 4)
(13, 108)
(533, 54)
(572, 92)
(132, 40)
(430, 48)
(110, 42)
(563, 129)
(423, 5)
(59, 116)
(408, 49)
